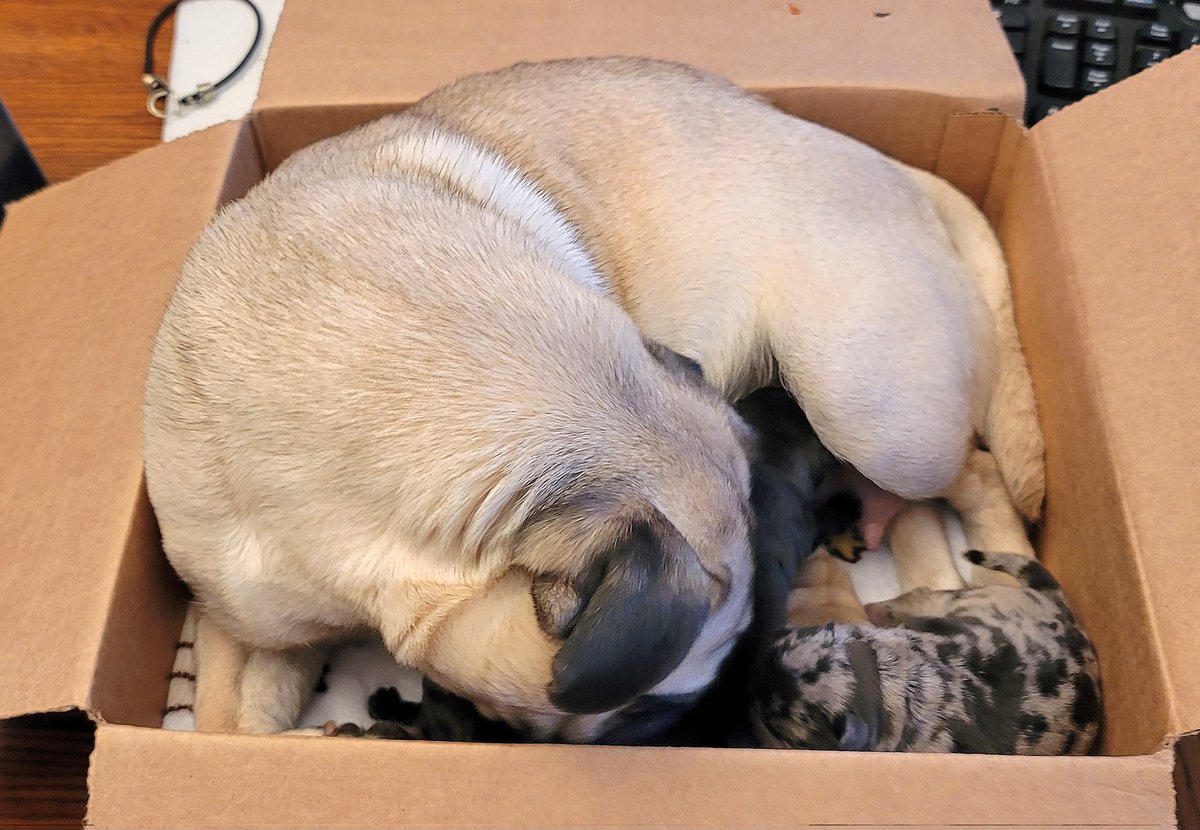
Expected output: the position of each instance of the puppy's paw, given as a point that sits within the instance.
(848, 546)
(333, 729)
(879, 614)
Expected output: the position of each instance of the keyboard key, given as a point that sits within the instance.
(1015, 3)
(1140, 6)
(1016, 42)
(1147, 56)
(1042, 110)
(1098, 53)
(1060, 64)
(1191, 40)
(1012, 18)
(1066, 24)
(1095, 80)
(1101, 4)
(1158, 33)
(1102, 28)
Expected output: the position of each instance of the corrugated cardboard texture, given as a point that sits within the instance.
(970, 146)
(144, 618)
(88, 268)
(240, 781)
(1085, 539)
(1125, 190)
(841, 62)
(915, 127)
(1012, 143)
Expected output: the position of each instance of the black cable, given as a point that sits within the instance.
(157, 87)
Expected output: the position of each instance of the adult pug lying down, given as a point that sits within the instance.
(440, 377)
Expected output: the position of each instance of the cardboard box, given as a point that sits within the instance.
(1097, 208)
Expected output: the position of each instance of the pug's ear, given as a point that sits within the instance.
(628, 622)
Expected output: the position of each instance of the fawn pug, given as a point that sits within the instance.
(440, 377)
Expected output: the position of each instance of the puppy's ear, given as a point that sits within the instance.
(864, 721)
(638, 613)
(856, 734)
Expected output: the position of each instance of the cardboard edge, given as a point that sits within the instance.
(220, 144)
(820, 103)
(1035, 145)
(119, 676)
(105, 170)
(1003, 169)
(963, 165)
(246, 167)
(1101, 98)
(343, 117)
(124, 682)
(446, 785)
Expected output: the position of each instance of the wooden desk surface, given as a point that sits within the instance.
(70, 76)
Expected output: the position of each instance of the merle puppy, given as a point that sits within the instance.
(995, 669)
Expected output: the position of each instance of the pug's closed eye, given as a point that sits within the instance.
(674, 362)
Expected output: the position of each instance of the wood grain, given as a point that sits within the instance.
(43, 770)
(1187, 782)
(70, 75)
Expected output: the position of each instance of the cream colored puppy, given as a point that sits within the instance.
(398, 389)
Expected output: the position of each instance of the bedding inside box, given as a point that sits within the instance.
(1084, 540)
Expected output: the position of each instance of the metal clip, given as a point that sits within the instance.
(204, 92)
(156, 100)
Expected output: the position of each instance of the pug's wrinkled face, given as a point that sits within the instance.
(626, 594)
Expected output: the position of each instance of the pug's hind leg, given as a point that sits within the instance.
(922, 551)
(989, 518)
(275, 687)
(220, 660)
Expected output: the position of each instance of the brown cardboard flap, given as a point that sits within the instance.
(86, 269)
(1085, 538)
(970, 146)
(1124, 187)
(374, 51)
(889, 74)
(244, 781)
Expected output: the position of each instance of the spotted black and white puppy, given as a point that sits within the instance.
(995, 669)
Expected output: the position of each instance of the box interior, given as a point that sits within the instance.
(1100, 241)
(973, 152)
(83, 302)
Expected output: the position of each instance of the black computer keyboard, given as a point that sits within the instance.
(1071, 48)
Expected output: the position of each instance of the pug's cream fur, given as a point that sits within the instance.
(400, 385)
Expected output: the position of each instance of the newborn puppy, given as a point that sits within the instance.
(996, 669)
(786, 469)
(400, 386)
(440, 716)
